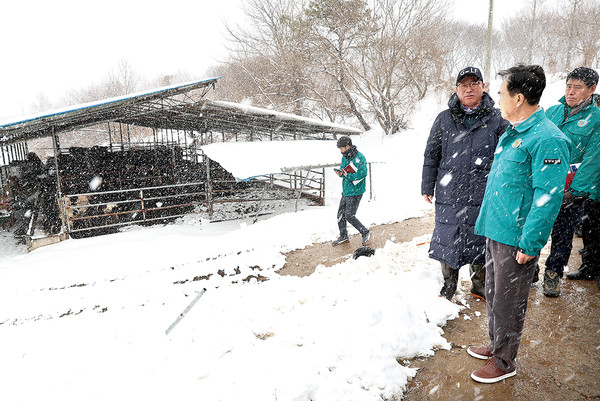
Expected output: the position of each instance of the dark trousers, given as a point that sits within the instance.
(562, 236)
(591, 234)
(507, 286)
(347, 212)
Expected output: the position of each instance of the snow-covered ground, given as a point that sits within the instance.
(86, 319)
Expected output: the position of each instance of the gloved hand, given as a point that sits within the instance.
(568, 198)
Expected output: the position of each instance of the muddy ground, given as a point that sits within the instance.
(559, 356)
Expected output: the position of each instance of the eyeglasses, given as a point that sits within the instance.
(471, 85)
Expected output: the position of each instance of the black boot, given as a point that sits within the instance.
(450, 281)
(585, 272)
(477, 281)
(536, 274)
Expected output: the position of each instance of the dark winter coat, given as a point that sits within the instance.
(455, 170)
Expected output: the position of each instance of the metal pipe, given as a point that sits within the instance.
(301, 188)
(109, 137)
(121, 137)
(370, 183)
(209, 189)
(322, 186)
(142, 201)
(59, 197)
(260, 203)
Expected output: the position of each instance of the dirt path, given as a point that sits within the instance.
(304, 261)
(559, 356)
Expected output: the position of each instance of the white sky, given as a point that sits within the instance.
(52, 47)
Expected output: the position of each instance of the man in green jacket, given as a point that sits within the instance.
(590, 266)
(579, 119)
(353, 171)
(522, 198)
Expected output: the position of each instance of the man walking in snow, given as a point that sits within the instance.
(579, 119)
(458, 157)
(353, 171)
(522, 198)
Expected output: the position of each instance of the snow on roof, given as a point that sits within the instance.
(285, 116)
(246, 160)
(63, 110)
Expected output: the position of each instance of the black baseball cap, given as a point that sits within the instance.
(469, 71)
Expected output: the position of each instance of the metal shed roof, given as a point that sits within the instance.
(180, 107)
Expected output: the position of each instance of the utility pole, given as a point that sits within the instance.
(488, 56)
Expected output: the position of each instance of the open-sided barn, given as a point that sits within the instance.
(145, 161)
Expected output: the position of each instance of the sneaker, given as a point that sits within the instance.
(491, 373)
(366, 237)
(551, 284)
(479, 352)
(340, 240)
(585, 272)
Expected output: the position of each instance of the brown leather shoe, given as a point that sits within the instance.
(479, 352)
(491, 373)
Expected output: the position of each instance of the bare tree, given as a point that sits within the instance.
(122, 80)
(267, 56)
(335, 30)
(42, 103)
(586, 32)
(402, 58)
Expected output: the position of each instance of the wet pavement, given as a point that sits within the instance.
(559, 355)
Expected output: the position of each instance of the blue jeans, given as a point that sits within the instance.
(562, 236)
(347, 212)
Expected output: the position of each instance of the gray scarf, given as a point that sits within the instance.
(578, 108)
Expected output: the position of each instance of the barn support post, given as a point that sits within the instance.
(187, 150)
(195, 144)
(4, 162)
(323, 186)
(109, 137)
(262, 198)
(121, 137)
(370, 183)
(208, 187)
(64, 219)
(142, 202)
(128, 137)
(301, 188)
